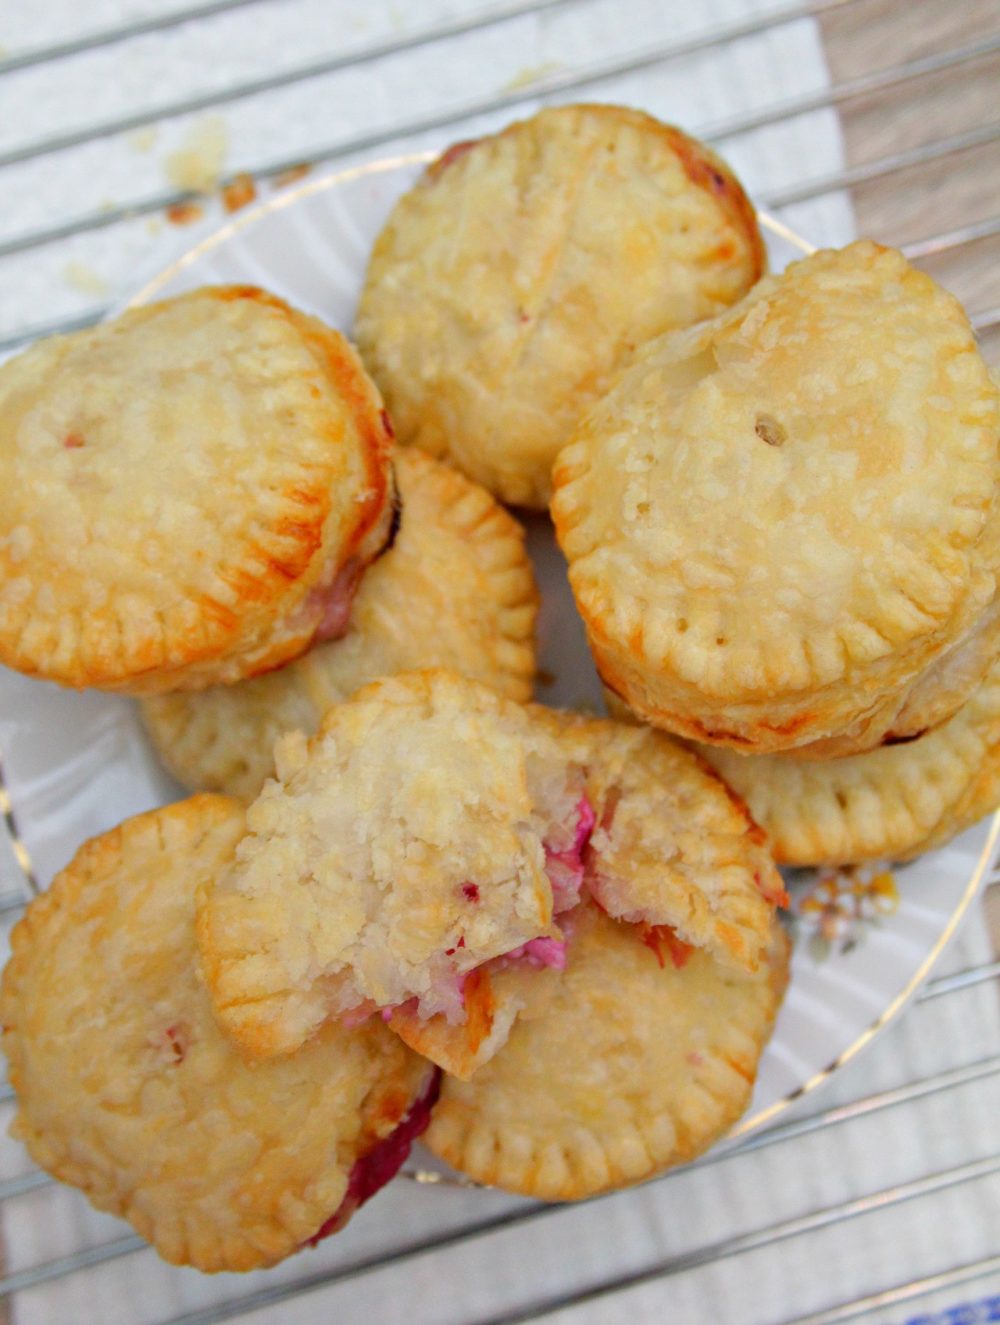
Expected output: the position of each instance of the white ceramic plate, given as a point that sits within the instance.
(76, 764)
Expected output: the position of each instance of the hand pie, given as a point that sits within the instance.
(663, 846)
(515, 279)
(401, 848)
(190, 494)
(895, 802)
(455, 590)
(628, 1067)
(777, 522)
(417, 857)
(127, 1089)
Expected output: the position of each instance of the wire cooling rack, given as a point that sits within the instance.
(882, 1201)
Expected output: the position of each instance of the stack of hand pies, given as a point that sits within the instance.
(405, 901)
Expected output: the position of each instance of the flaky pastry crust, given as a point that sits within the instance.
(628, 1068)
(455, 590)
(399, 849)
(672, 845)
(776, 520)
(127, 1089)
(515, 279)
(184, 487)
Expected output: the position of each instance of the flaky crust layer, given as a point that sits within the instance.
(897, 802)
(182, 485)
(775, 520)
(399, 849)
(127, 1089)
(672, 846)
(629, 1068)
(515, 279)
(455, 590)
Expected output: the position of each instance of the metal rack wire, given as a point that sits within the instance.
(950, 236)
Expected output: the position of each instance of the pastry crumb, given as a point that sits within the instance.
(239, 192)
(143, 139)
(83, 278)
(530, 73)
(291, 175)
(197, 164)
(184, 213)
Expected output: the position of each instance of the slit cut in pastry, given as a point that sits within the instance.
(193, 491)
(432, 832)
(127, 1089)
(455, 590)
(624, 1068)
(779, 521)
(518, 276)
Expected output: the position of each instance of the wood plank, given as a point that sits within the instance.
(928, 199)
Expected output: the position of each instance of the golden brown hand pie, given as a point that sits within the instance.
(626, 1068)
(127, 1089)
(190, 493)
(777, 522)
(895, 802)
(519, 274)
(455, 590)
(419, 853)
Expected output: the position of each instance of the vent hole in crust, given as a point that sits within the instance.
(769, 430)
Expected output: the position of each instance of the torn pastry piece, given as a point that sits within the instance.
(192, 493)
(511, 284)
(672, 849)
(455, 590)
(127, 1089)
(779, 521)
(895, 802)
(657, 841)
(400, 849)
(627, 1067)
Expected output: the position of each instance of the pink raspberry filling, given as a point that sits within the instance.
(565, 868)
(334, 602)
(371, 1172)
(539, 952)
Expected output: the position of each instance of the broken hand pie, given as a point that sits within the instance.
(433, 834)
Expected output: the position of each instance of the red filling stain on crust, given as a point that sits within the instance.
(663, 941)
(470, 891)
(448, 157)
(566, 868)
(387, 427)
(334, 602)
(73, 441)
(371, 1172)
(177, 1038)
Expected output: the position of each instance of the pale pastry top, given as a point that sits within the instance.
(127, 1089)
(777, 515)
(455, 590)
(184, 487)
(520, 273)
(626, 1068)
